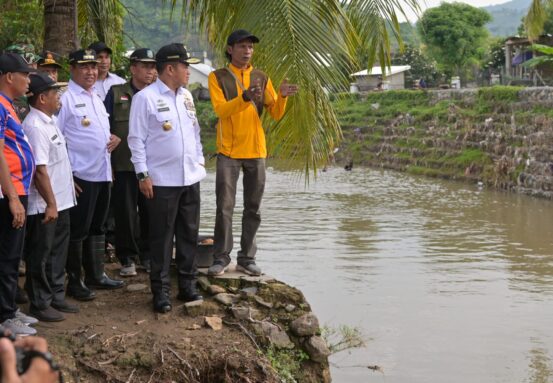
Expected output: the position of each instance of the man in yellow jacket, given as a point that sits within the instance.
(239, 93)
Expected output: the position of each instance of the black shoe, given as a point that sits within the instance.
(188, 292)
(49, 314)
(21, 296)
(162, 304)
(80, 293)
(65, 307)
(93, 262)
(105, 283)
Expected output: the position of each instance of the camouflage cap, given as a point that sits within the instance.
(27, 51)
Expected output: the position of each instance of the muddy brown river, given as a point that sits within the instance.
(448, 282)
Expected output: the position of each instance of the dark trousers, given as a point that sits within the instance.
(173, 212)
(45, 255)
(11, 250)
(131, 218)
(228, 171)
(89, 216)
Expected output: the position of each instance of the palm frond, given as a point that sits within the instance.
(101, 20)
(536, 17)
(312, 43)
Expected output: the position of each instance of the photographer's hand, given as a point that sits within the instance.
(39, 371)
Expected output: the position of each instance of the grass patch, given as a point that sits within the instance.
(287, 363)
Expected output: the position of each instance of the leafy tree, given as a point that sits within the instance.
(15, 25)
(455, 35)
(422, 66)
(495, 56)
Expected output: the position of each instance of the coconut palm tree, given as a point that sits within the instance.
(67, 22)
(536, 17)
(313, 43)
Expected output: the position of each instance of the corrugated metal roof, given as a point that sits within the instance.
(377, 71)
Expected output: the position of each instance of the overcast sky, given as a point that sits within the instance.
(434, 3)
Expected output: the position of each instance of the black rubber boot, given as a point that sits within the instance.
(75, 286)
(94, 252)
(188, 291)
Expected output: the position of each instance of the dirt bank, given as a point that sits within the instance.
(118, 338)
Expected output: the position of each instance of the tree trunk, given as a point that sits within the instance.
(60, 35)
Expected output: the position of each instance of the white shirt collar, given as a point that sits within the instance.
(43, 116)
(79, 89)
(163, 88)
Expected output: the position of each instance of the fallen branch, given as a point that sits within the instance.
(130, 376)
(109, 361)
(248, 334)
(183, 361)
(107, 377)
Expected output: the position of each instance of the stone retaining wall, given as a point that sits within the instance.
(500, 136)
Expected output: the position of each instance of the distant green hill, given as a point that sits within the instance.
(506, 17)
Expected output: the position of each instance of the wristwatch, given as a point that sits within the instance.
(142, 176)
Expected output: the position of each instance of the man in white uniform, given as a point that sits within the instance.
(164, 138)
(51, 196)
(84, 122)
(106, 79)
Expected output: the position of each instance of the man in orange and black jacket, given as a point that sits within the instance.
(239, 93)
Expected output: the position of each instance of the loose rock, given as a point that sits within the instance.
(274, 335)
(245, 313)
(215, 323)
(227, 299)
(216, 289)
(317, 349)
(204, 283)
(306, 325)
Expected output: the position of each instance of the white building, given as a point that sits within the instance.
(199, 73)
(393, 78)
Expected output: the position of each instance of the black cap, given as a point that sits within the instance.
(239, 35)
(100, 46)
(41, 82)
(145, 55)
(47, 59)
(82, 56)
(175, 52)
(12, 62)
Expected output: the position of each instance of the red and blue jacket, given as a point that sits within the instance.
(17, 150)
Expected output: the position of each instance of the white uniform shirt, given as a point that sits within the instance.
(49, 149)
(87, 145)
(172, 157)
(102, 86)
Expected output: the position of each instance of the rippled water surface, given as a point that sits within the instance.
(448, 283)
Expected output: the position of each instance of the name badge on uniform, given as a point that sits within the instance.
(80, 105)
(164, 109)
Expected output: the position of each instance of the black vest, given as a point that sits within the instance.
(121, 156)
(228, 85)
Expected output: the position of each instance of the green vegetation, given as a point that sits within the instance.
(287, 363)
(455, 35)
(207, 120)
(417, 132)
(342, 338)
